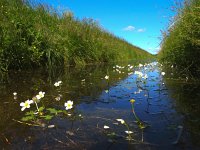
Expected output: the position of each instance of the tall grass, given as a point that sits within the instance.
(181, 41)
(36, 35)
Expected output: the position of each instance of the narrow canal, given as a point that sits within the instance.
(129, 106)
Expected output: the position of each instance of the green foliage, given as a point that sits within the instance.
(46, 114)
(29, 116)
(181, 42)
(35, 35)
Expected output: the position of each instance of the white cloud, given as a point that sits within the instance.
(153, 50)
(157, 49)
(129, 28)
(141, 30)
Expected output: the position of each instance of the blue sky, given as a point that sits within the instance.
(137, 21)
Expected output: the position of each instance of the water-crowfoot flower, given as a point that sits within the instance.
(68, 105)
(140, 65)
(26, 104)
(130, 73)
(106, 91)
(162, 73)
(40, 95)
(129, 132)
(121, 121)
(106, 77)
(106, 127)
(15, 93)
(140, 74)
(130, 67)
(145, 76)
(56, 84)
(69, 114)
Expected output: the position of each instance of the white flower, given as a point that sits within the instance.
(69, 104)
(26, 104)
(129, 132)
(57, 83)
(106, 77)
(106, 127)
(140, 74)
(121, 121)
(140, 65)
(130, 67)
(40, 95)
(15, 93)
(130, 73)
(106, 91)
(163, 73)
(145, 76)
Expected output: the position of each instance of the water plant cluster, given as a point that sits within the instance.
(180, 47)
(41, 115)
(36, 35)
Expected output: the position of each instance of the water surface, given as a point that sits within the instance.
(163, 103)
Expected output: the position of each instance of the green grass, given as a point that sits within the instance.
(181, 41)
(36, 35)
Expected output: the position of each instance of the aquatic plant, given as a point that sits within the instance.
(42, 113)
(140, 123)
(128, 131)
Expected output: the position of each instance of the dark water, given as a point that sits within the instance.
(165, 104)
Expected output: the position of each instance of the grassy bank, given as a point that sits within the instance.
(36, 35)
(181, 41)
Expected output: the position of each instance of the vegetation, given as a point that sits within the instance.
(35, 35)
(181, 42)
